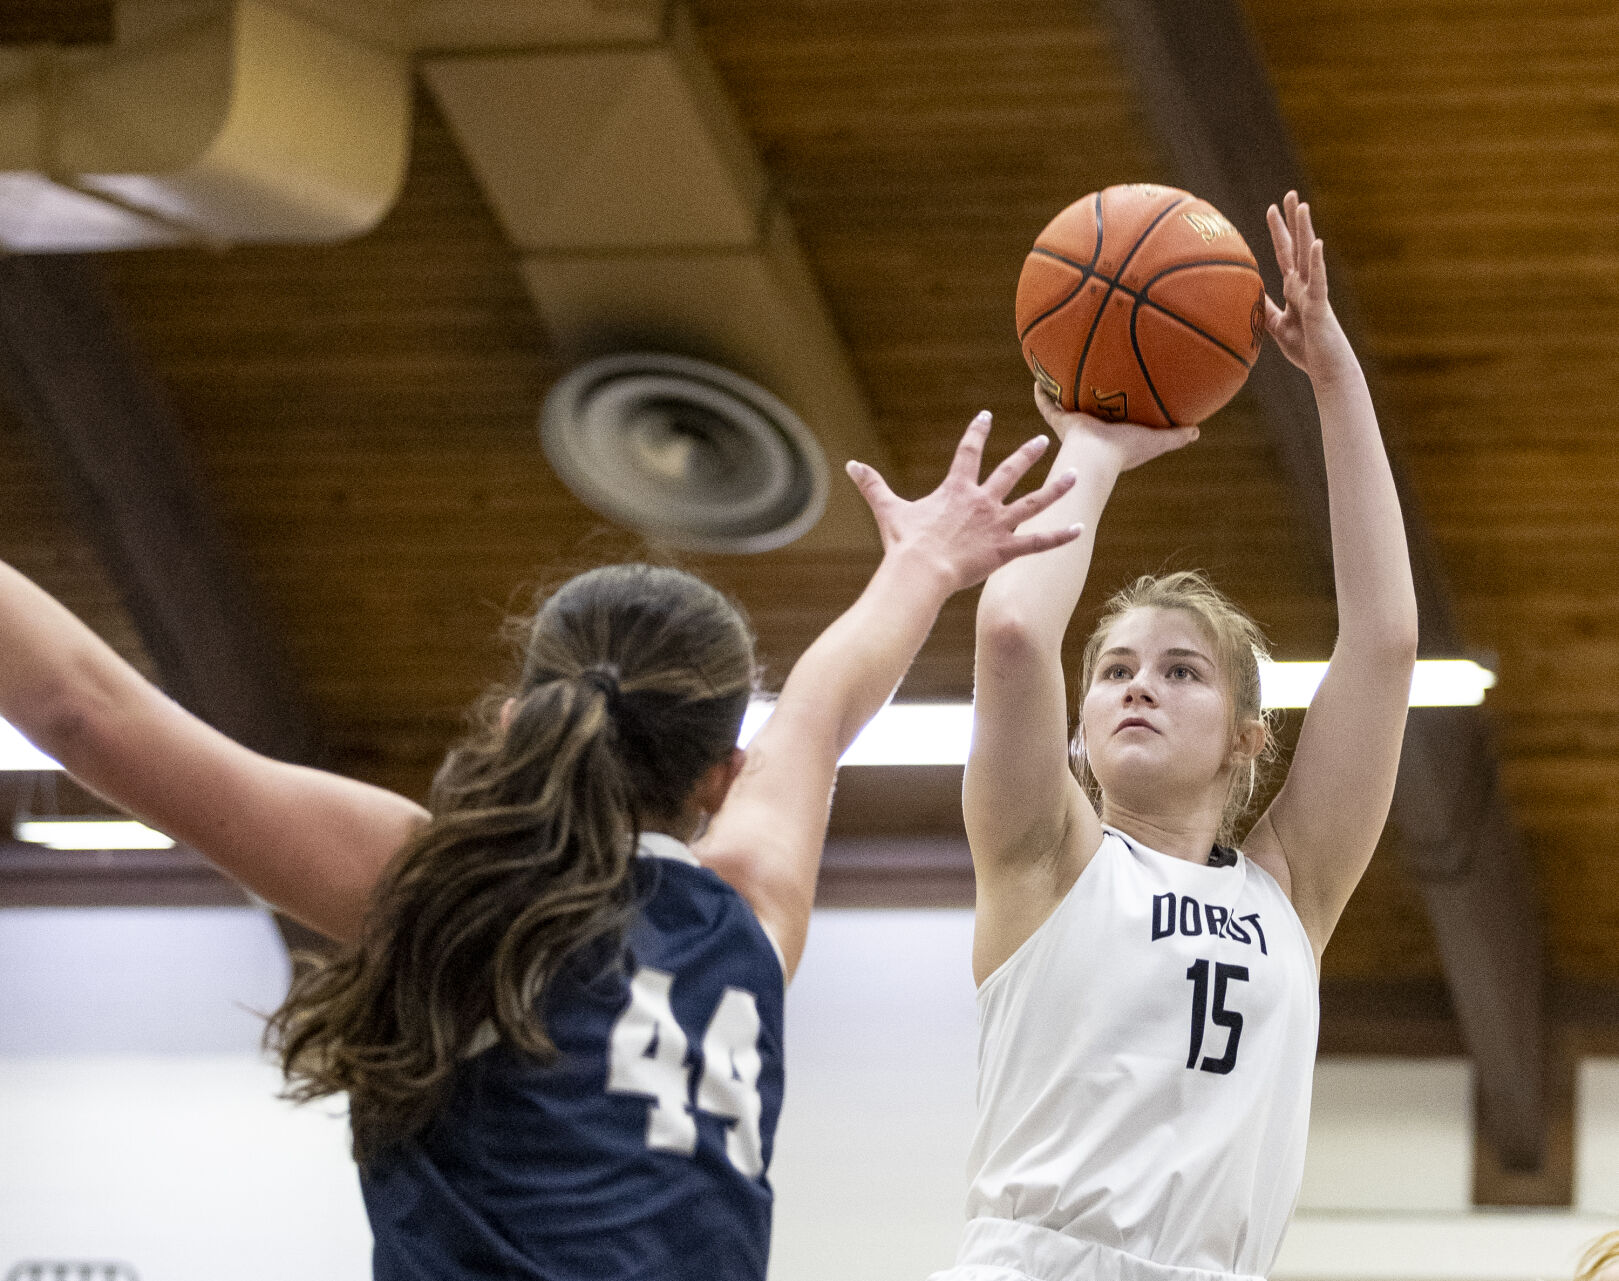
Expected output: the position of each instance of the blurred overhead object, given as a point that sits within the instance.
(623, 177)
(684, 451)
(57, 22)
(202, 122)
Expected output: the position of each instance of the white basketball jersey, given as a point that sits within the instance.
(1144, 1066)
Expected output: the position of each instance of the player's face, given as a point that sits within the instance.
(1157, 715)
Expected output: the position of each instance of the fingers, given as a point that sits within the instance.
(1318, 269)
(1180, 437)
(1304, 232)
(1031, 505)
(1013, 469)
(873, 488)
(1029, 544)
(970, 452)
(1049, 409)
(1280, 238)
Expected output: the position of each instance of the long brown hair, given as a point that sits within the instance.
(1239, 647)
(634, 681)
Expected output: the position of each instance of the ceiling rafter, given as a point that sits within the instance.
(72, 377)
(63, 22)
(1204, 86)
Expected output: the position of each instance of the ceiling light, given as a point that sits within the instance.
(1437, 682)
(17, 753)
(90, 834)
(940, 733)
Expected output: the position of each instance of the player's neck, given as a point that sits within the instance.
(1183, 836)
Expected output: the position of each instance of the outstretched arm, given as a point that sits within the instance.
(1019, 797)
(309, 842)
(1320, 831)
(768, 835)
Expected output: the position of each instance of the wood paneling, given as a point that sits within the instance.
(363, 413)
(65, 22)
(1464, 158)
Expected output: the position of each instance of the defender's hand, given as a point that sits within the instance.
(965, 527)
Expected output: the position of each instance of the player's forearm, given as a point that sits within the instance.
(53, 670)
(1036, 596)
(851, 670)
(1377, 608)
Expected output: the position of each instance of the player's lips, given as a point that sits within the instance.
(1131, 722)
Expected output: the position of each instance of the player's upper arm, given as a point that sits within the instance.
(767, 837)
(311, 843)
(1020, 800)
(1326, 820)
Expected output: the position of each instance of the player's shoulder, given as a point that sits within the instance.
(687, 906)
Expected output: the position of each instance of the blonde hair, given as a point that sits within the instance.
(1598, 1255)
(1239, 647)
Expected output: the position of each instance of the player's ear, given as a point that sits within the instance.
(1249, 742)
(716, 781)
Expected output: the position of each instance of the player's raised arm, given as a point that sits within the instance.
(310, 842)
(1324, 824)
(1019, 796)
(768, 834)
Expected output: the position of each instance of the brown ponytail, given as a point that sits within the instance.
(634, 682)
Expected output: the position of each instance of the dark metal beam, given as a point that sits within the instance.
(1204, 85)
(71, 376)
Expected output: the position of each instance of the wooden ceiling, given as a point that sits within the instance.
(363, 414)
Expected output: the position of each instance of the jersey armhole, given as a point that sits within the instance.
(775, 945)
(993, 977)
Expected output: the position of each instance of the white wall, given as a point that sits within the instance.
(138, 1122)
(1596, 1154)
(881, 1043)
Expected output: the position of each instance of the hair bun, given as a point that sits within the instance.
(604, 676)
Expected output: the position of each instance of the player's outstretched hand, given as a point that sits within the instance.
(1305, 329)
(966, 527)
(1130, 443)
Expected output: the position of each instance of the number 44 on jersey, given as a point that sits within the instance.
(647, 1057)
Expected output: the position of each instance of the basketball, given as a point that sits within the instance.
(1141, 304)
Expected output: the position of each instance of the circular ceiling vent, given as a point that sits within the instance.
(685, 452)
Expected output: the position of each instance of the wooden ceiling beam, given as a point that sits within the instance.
(64, 22)
(73, 378)
(1204, 87)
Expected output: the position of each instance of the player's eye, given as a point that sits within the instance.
(1118, 671)
(1182, 672)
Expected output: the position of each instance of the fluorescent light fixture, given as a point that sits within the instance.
(1437, 682)
(91, 834)
(940, 733)
(17, 753)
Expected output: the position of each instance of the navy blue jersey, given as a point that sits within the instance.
(642, 1151)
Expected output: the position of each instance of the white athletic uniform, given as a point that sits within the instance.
(1144, 1070)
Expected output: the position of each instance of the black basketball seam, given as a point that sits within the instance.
(1086, 270)
(1101, 307)
(1199, 331)
(1141, 364)
(1066, 298)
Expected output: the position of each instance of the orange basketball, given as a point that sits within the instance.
(1141, 303)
